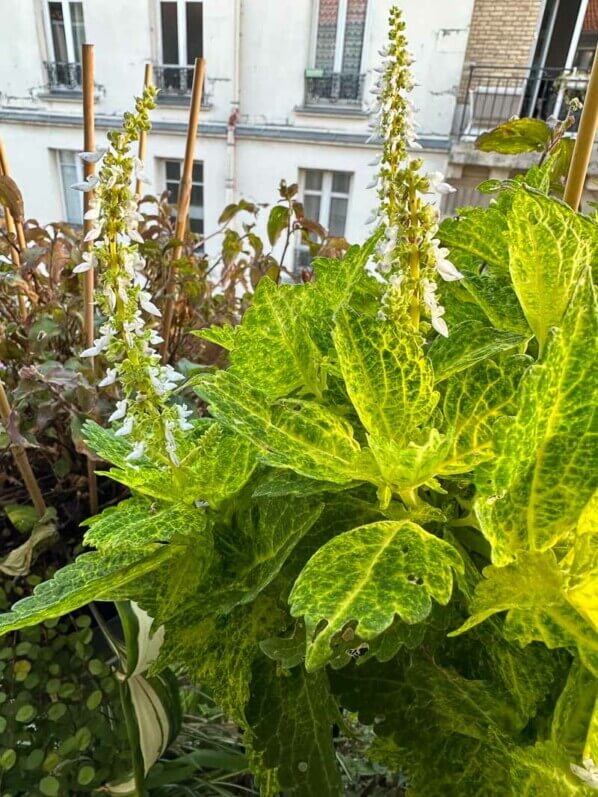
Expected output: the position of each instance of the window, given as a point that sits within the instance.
(173, 178)
(71, 172)
(181, 23)
(339, 41)
(338, 52)
(66, 35)
(325, 200)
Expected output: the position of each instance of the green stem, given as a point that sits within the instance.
(414, 260)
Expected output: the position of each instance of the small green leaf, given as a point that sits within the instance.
(549, 247)
(49, 786)
(533, 592)
(388, 378)
(21, 669)
(94, 700)
(8, 759)
(25, 713)
(301, 435)
(368, 575)
(86, 775)
(468, 343)
(92, 576)
(278, 220)
(291, 716)
(56, 711)
(480, 232)
(473, 400)
(532, 495)
(516, 136)
(35, 759)
(137, 522)
(22, 517)
(273, 349)
(223, 336)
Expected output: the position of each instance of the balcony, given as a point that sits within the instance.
(493, 94)
(63, 77)
(334, 89)
(175, 84)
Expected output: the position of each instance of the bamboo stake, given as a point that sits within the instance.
(15, 233)
(147, 80)
(89, 170)
(588, 124)
(89, 145)
(184, 198)
(21, 459)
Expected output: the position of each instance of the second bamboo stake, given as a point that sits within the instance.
(184, 199)
(89, 145)
(588, 124)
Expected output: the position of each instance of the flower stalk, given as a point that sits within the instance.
(409, 255)
(144, 414)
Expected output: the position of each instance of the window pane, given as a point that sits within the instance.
(340, 182)
(73, 200)
(197, 172)
(338, 216)
(78, 29)
(170, 38)
(173, 170)
(353, 45)
(174, 192)
(327, 20)
(194, 17)
(197, 195)
(58, 34)
(196, 225)
(311, 206)
(313, 180)
(302, 259)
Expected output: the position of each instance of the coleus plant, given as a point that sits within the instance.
(388, 514)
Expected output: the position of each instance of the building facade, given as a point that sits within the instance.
(286, 95)
(523, 58)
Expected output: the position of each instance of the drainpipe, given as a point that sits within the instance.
(231, 138)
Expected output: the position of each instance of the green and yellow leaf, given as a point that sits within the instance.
(369, 575)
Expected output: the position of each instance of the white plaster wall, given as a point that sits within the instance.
(275, 48)
(262, 165)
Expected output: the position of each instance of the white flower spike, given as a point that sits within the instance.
(94, 156)
(87, 185)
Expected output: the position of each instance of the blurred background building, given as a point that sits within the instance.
(286, 95)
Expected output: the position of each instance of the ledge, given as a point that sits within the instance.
(332, 110)
(464, 153)
(180, 101)
(63, 95)
(216, 129)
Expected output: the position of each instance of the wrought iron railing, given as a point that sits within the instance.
(63, 76)
(175, 81)
(493, 94)
(334, 88)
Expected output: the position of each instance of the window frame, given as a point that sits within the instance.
(166, 180)
(339, 44)
(181, 31)
(78, 163)
(68, 30)
(326, 195)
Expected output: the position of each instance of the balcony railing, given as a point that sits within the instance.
(493, 94)
(175, 84)
(334, 88)
(63, 76)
